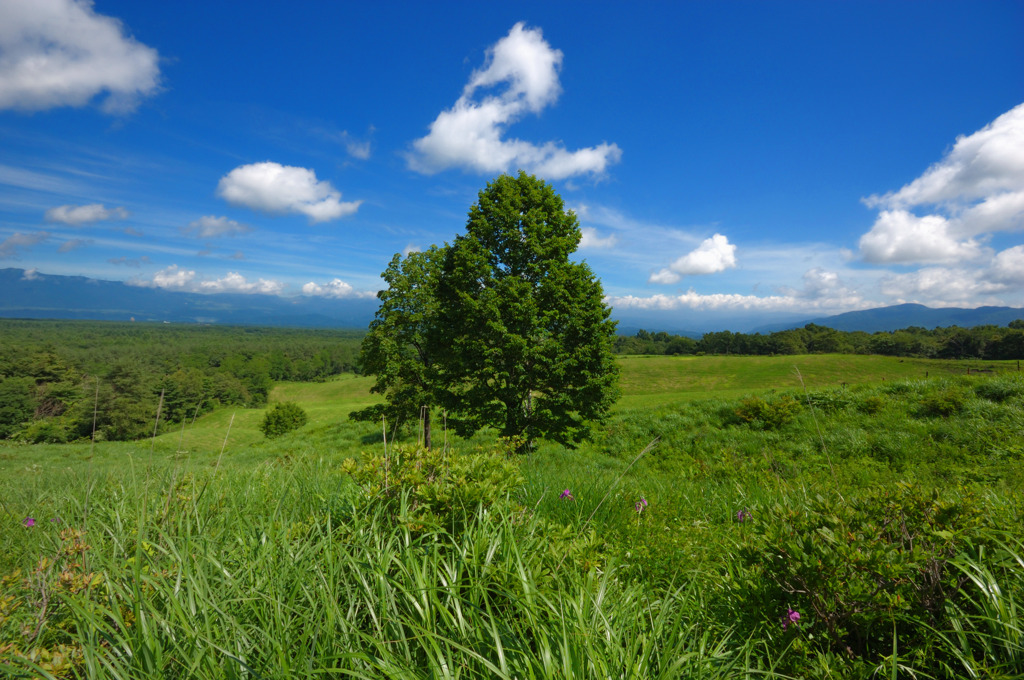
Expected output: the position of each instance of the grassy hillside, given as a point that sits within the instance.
(660, 379)
(865, 530)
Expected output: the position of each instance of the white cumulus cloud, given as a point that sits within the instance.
(277, 188)
(62, 53)
(976, 190)
(713, 255)
(236, 283)
(175, 278)
(76, 215)
(470, 135)
(900, 236)
(172, 278)
(209, 226)
(734, 302)
(943, 287)
(1008, 266)
(335, 288)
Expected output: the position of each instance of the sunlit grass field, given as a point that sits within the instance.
(213, 552)
(661, 379)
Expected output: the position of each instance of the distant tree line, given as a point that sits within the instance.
(979, 342)
(56, 376)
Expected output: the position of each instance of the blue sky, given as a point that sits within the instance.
(745, 159)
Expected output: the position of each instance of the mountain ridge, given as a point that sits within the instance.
(57, 296)
(896, 317)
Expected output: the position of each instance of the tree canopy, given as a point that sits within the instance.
(398, 348)
(500, 328)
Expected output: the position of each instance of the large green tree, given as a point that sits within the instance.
(397, 349)
(526, 335)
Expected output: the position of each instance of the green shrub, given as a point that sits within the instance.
(768, 414)
(946, 402)
(871, 404)
(867, 575)
(830, 401)
(283, 418)
(431, 488)
(49, 431)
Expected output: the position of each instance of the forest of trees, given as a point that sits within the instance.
(54, 373)
(979, 342)
(55, 376)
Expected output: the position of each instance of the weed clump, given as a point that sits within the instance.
(1001, 390)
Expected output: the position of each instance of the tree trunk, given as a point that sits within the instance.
(426, 428)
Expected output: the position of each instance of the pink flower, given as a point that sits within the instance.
(742, 515)
(567, 494)
(29, 522)
(640, 504)
(792, 616)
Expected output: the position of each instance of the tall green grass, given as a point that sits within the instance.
(284, 573)
(273, 561)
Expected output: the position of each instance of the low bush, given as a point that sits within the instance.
(871, 404)
(861, 579)
(768, 414)
(946, 402)
(283, 418)
(435, 488)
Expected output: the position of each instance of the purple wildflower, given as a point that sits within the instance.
(567, 494)
(29, 522)
(743, 515)
(640, 504)
(792, 616)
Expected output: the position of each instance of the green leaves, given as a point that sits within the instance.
(868, 572)
(528, 330)
(499, 328)
(283, 418)
(397, 349)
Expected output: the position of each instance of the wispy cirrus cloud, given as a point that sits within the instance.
(590, 239)
(134, 262)
(209, 226)
(74, 244)
(470, 135)
(77, 215)
(16, 242)
(62, 53)
(355, 146)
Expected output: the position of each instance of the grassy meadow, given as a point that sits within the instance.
(817, 516)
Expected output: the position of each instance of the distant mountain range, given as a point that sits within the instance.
(49, 296)
(45, 296)
(903, 316)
